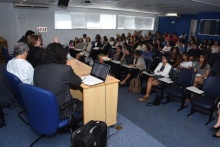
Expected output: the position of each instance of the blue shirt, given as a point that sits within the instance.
(147, 55)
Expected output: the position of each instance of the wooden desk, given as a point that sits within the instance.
(100, 101)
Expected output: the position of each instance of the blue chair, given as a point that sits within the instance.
(205, 104)
(42, 111)
(6, 54)
(185, 79)
(14, 81)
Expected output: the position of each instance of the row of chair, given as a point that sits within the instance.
(200, 103)
(40, 106)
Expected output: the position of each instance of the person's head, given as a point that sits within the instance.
(29, 33)
(180, 44)
(137, 54)
(216, 42)
(54, 53)
(21, 49)
(129, 34)
(84, 36)
(165, 59)
(119, 48)
(205, 41)
(105, 40)
(185, 57)
(119, 39)
(194, 46)
(88, 39)
(158, 41)
(80, 40)
(76, 39)
(111, 39)
(127, 50)
(203, 58)
(34, 40)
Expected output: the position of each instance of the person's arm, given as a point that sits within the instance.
(122, 58)
(157, 70)
(206, 74)
(74, 79)
(166, 70)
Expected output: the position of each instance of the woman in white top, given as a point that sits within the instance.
(162, 70)
(19, 66)
(137, 66)
(186, 63)
(166, 48)
(86, 49)
(214, 57)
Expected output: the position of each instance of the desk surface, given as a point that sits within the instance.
(81, 69)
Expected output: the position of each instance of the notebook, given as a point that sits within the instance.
(98, 74)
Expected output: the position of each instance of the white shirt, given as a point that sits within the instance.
(165, 72)
(186, 64)
(22, 69)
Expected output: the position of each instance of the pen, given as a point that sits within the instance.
(83, 79)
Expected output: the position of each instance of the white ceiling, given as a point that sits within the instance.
(148, 6)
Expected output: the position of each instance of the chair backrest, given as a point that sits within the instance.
(211, 86)
(186, 78)
(148, 63)
(14, 81)
(214, 69)
(42, 109)
(6, 54)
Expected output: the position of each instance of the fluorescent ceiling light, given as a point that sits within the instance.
(171, 14)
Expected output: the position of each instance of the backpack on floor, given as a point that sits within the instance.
(135, 85)
(2, 118)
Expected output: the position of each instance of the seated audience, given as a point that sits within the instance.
(214, 56)
(80, 44)
(19, 66)
(141, 46)
(166, 48)
(181, 47)
(162, 70)
(201, 69)
(26, 36)
(186, 63)
(127, 57)
(118, 55)
(175, 57)
(84, 38)
(35, 52)
(147, 53)
(138, 65)
(86, 49)
(54, 75)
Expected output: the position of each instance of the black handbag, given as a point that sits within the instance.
(156, 101)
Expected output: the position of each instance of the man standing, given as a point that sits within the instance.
(26, 36)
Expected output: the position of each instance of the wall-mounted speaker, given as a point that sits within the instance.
(63, 3)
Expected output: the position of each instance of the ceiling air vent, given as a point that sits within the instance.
(23, 5)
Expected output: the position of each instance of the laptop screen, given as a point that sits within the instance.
(100, 70)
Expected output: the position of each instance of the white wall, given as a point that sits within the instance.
(12, 28)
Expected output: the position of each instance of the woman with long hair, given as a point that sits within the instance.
(162, 70)
(202, 70)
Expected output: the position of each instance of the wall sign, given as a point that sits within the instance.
(42, 29)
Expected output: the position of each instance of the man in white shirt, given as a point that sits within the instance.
(19, 66)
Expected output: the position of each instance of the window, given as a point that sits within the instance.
(134, 22)
(78, 20)
(209, 27)
(107, 21)
(63, 20)
(81, 20)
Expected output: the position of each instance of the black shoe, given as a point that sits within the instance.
(215, 129)
(214, 135)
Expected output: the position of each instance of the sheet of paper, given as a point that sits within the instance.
(195, 90)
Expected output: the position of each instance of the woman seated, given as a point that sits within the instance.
(166, 48)
(81, 44)
(175, 57)
(186, 63)
(86, 49)
(137, 66)
(202, 70)
(162, 70)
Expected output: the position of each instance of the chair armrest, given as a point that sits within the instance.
(62, 107)
(195, 90)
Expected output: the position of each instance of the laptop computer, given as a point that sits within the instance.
(98, 74)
